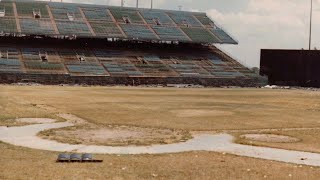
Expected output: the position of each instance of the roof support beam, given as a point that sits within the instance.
(16, 17)
(148, 25)
(53, 22)
(115, 21)
(86, 21)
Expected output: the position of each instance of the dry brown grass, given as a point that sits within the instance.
(161, 108)
(91, 134)
(22, 163)
(157, 107)
(309, 140)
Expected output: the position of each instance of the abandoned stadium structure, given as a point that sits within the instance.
(63, 43)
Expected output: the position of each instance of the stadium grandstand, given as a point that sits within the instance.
(57, 43)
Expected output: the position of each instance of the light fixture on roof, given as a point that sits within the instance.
(310, 30)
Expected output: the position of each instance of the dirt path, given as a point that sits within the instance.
(252, 130)
(26, 136)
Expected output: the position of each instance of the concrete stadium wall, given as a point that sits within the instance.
(55, 79)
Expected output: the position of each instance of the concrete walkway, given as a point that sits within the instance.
(26, 136)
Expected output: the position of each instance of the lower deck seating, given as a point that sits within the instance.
(43, 66)
(227, 74)
(10, 65)
(189, 70)
(31, 54)
(9, 53)
(92, 69)
(122, 69)
(155, 70)
(122, 63)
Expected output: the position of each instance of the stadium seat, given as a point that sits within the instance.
(96, 14)
(7, 8)
(170, 33)
(204, 19)
(152, 15)
(43, 66)
(151, 58)
(223, 36)
(120, 13)
(86, 69)
(36, 26)
(8, 25)
(184, 18)
(10, 65)
(60, 11)
(138, 32)
(106, 29)
(26, 9)
(73, 28)
(200, 35)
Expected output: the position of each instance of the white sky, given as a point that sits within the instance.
(256, 24)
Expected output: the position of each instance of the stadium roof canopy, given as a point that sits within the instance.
(98, 21)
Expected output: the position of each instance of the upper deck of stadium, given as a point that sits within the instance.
(54, 19)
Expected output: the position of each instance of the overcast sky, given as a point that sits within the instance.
(256, 24)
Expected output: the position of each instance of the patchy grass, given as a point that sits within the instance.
(309, 140)
(91, 134)
(22, 163)
(162, 107)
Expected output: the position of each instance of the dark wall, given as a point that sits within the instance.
(291, 67)
(55, 79)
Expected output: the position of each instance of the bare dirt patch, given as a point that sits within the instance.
(46, 107)
(270, 138)
(90, 134)
(200, 112)
(72, 118)
(35, 120)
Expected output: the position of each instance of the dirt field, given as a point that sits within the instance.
(163, 109)
(207, 109)
(309, 140)
(21, 163)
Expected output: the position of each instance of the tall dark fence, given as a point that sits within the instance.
(291, 67)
